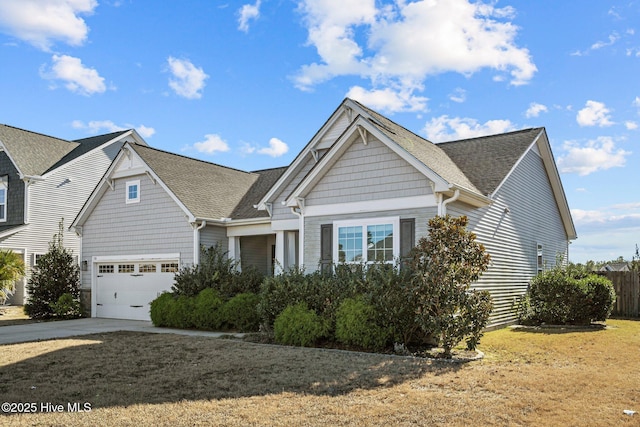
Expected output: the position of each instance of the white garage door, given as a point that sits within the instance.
(125, 289)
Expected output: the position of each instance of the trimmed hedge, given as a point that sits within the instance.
(298, 325)
(356, 325)
(241, 313)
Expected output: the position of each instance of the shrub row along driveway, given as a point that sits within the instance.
(540, 377)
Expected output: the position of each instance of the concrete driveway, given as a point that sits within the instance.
(70, 328)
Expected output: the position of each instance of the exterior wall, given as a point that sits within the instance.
(312, 228)
(368, 172)
(256, 251)
(15, 194)
(212, 235)
(155, 225)
(59, 197)
(281, 212)
(511, 238)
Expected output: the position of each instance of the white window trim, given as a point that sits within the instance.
(5, 187)
(131, 184)
(364, 222)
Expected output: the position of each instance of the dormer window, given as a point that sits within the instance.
(133, 192)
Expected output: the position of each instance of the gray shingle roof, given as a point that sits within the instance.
(487, 160)
(34, 153)
(206, 189)
(257, 191)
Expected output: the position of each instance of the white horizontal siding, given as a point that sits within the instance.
(154, 225)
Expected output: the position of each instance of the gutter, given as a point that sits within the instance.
(196, 240)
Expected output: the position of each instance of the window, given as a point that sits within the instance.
(133, 191)
(366, 240)
(147, 268)
(3, 198)
(169, 268)
(105, 269)
(540, 260)
(126, 268)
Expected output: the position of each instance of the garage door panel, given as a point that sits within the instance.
(124, 290)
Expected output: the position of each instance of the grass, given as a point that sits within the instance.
(13, 315)
(530, 377)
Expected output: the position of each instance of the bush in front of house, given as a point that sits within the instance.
(557, 297)
(55, 275)
(445, 263)
(160, 310)
(298, 325)
(357, 324)
(241, 313)
(206, 313)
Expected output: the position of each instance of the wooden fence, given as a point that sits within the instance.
(627, 285)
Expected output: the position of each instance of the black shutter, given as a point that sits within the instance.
(407, 239)
(326, 247)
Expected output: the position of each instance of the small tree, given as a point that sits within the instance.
(11, 269)
(54, 286)
(444, 265)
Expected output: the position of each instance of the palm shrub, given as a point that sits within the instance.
(11, 270)
(445, 263)
(55, 275)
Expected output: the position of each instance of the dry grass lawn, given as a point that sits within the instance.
(13, 315)
(546, 377)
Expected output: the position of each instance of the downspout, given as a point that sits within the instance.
(196, 240)
(443, 205)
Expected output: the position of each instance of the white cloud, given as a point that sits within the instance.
(610, 41)
(76, 77)
(636, 103)
(41, 22)
(187, 80)
(459, 95)
(107, 126)
(276, 148)
(535, 109)
(596, 155)
(630, 125)
(388, 100)
(248, 12)
(594, 114)
(212, 144)
(443, 128)
(404, 43)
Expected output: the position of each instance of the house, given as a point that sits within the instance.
(363, 188)
(44, 180)
(616, 266)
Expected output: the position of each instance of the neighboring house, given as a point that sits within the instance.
(362, 189)
(44, 180)
(616, 266)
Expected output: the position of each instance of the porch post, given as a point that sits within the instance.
(278, 268)
(234, 251)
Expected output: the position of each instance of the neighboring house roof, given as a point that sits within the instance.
(35, 154)
(208, 190)
(487, 160)
(616, 266)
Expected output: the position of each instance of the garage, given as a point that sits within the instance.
(124, 289)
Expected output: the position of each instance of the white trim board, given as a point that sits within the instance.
(427, 201)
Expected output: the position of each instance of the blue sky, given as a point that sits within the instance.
(247, 84)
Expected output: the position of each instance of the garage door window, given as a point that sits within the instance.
(126, 268)
(169, 267)
(147, 268)
(105, 269)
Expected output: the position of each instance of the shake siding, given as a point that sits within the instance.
(15, 194)
(155, 225)
(332, 134)
(212, 235)
(511, 238)
(312, 228)
(283, 212)
(368, 172)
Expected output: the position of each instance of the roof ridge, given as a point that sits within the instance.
(269, 169)
(37, 133)
(491, 136)
(191, 158)
(119, 132)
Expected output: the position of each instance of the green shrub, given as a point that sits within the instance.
(161, 308)
(66, 307)
(173, 311)
(55, 274)
(477, 309)
(557, 297)
(356, 324)
(241, 313)
(215, 270)
(298, 325)
(206, 314)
